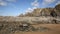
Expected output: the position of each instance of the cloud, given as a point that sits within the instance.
(46, 2)
(29, 10)
(2, 3)
(5, 3)
(34, 8)
(35, 3)
(58, 3)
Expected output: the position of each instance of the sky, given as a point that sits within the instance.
(17, 7)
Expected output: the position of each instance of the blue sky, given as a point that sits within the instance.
(16, 7)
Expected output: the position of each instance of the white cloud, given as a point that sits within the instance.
(29, 10)
(5, 3)
(34, 8)
(58, 3)
(2, 3)
(35, 3)
(46, 2)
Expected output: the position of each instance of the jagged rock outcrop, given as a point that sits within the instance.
(57, 7)
(44, 12)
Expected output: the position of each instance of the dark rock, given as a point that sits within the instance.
(53, 14)
(24, 27)
(1, 26)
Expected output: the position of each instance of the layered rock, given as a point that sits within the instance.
(44, 12)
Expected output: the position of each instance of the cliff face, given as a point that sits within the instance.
(57, 7)
(44, 12)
